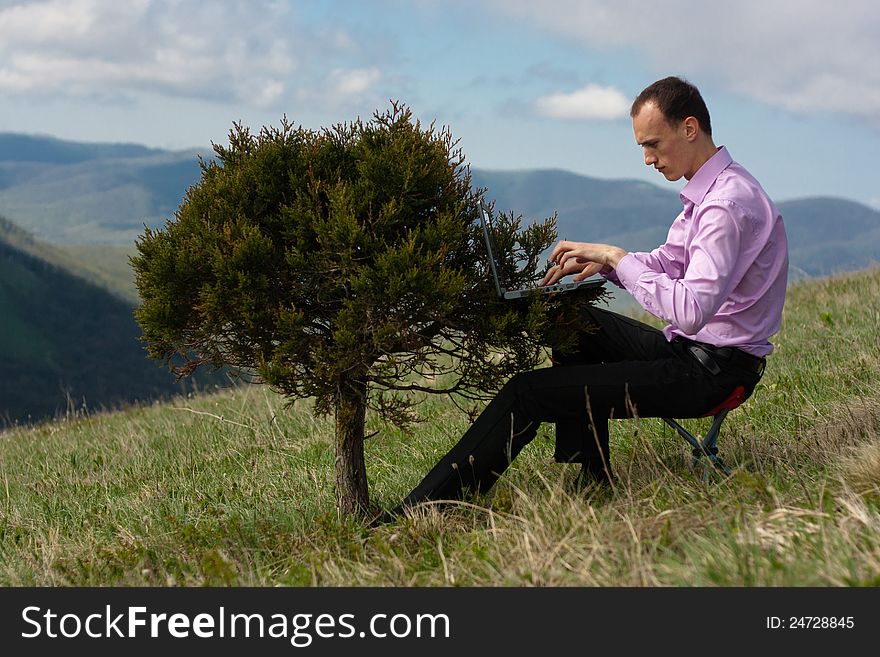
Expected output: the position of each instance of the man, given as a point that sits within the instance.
(719, 281)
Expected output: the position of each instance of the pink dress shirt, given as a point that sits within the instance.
(720, 278)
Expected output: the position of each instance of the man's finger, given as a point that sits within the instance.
(558, 250)
(557, 273)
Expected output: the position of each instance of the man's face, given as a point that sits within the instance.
(666, 147)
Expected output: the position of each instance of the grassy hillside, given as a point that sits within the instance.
(65, 342)
(104, 265)
(235, 489)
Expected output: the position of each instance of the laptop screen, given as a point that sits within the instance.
(493, 263)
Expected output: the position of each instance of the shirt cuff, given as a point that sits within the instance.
(611, 277)
(628, 271)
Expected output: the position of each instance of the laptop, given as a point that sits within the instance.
(503, 292)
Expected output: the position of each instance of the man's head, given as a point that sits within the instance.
(671, 123)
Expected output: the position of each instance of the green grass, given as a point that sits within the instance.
(103, 264)
(236, 489)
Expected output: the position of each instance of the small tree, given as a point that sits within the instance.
(344, 265)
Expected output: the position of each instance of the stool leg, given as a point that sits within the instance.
(684, 433)
(710, 441)
(705, 448)
(697, 451)
(712, 435)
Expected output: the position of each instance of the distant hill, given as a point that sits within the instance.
(588, 208)
(66, 192)
(831, 235)
(50, 150)
(76, 194)
(65, 341)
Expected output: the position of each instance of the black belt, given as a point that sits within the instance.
(709, 356)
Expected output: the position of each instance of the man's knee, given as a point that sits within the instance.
(511, 390)
(516, 385)
(524, 394)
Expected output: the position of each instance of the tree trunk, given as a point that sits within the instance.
(352, 495)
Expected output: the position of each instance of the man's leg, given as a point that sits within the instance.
(676, 385)
(584, 439)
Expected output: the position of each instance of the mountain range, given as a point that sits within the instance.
(73, 212)
(69, 193)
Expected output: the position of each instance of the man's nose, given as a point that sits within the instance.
(650, 159)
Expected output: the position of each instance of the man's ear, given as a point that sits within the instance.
(691, 128)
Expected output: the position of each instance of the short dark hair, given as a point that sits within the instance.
(677, 99)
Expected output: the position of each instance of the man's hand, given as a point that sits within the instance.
(556, 272)
(584, 257)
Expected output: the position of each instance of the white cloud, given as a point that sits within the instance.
(590, 103)
(348, 90)
(271, 92)
(353, 82)
(252, 52)
(801, 55)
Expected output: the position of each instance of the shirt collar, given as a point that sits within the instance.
(698, 186)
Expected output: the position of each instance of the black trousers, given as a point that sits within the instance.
(625, 369)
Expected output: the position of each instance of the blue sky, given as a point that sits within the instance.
(793, 86)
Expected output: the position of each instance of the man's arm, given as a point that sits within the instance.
(657, 280)
(667, 258)
(689, 300)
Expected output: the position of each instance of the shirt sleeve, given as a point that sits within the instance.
(688, 297)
